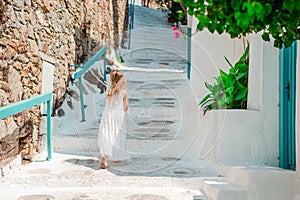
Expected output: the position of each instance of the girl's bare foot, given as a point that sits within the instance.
(103, 163)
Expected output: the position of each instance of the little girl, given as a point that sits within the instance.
(112, 130)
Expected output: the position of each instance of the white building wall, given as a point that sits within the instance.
(208, 51)
(238, 136)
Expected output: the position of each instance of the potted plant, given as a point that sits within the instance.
(230, 89)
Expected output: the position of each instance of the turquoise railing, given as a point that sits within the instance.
(131, 21)
(85, 67)
(20, 106)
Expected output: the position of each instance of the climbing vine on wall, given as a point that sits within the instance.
(277, 18)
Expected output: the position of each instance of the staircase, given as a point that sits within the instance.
(253, 182)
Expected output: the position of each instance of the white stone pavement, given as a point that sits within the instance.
(162, 125)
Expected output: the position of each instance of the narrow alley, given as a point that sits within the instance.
(162, 125)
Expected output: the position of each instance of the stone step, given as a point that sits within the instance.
(262, 182)
(108, 193)
(80, 144)
(222, 190)
(89, 178)
(79, 178)
(80, 171)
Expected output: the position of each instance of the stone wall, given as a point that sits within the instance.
(63, 31)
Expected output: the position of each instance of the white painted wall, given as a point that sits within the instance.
(238, 136)
(208, 51)
(47, 82)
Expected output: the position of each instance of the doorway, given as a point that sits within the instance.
(287, 152)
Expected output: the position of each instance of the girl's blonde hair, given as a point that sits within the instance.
(117, 81)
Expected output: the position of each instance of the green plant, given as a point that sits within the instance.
(230, 90)
(277, 18)
(177, 11)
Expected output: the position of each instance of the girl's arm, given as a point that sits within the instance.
(125, 101)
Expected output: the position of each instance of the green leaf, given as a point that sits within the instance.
(190, 12)
(248, 8)
(240, 75)
(265, 36)
(220, 28)
(212, 26)
(278, 43)
(209, 87)
(216, 90)
(200, 26)
(228, 100)
(245, 55)
(233, 70)
(259, 10)
(289, 5)
(204, 99)
(241, 94)
(243, 68)
(240, 86)
(223, 74)
(229, 90)
(232, 80)
(222, 103)
(219, 80)
(180, 14)
(236, 4)
(228, 61)
(120, 59)
(210, 104)
(268, 8)
(243, 21)
(237, 15)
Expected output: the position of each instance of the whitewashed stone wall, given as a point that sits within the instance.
(238, 136)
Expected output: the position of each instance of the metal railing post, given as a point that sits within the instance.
(84, 68)
(81, 100)
(49, 129)
(131, 21)
(189, 46)
(104, 66)
(20, 106)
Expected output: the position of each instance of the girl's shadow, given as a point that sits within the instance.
(90, 163)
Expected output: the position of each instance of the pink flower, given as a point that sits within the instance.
(176, 35)
(174, 28)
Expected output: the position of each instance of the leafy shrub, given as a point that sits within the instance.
(177, 11)
(230, 90)
(276, 18)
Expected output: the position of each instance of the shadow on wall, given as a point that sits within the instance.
(119, 31)
(19, 142)
(125, 26)
(2, 16)
(84, 44)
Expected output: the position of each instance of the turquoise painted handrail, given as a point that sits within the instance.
(85, 67)
(20, 106)
(131, 21)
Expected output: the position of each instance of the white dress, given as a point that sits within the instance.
(112, 130)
